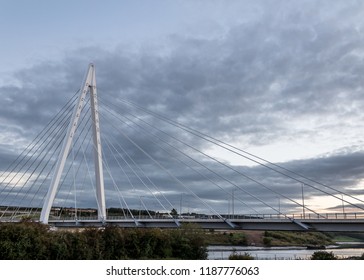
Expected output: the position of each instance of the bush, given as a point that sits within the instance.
(188, 242)
(238, 239)
(281, 238)
(30, 240)
(356, 258)
(25, 240)
(245, 256)
(323, 255)
(267, 241)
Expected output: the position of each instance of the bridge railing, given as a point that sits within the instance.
(331, 216)
(307, 216)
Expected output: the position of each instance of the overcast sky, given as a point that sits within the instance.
(280, 79)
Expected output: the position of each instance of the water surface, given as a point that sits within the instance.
(341, 250)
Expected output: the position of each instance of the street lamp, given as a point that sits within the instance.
(303, 203)
(232, 202)
(279, 206)
(141, 205)
(180, 205)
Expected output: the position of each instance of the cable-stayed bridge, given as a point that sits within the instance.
(101, 161)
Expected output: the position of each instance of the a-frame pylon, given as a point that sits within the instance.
(88, 86)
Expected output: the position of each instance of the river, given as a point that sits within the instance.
(341, 250)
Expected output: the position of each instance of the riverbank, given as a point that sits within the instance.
(278, 245)
(269, 238)
(347, 251)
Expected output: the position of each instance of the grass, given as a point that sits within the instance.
(281, 238)
(272, 238)
(226, 238)
(348, 237)
(342, 238)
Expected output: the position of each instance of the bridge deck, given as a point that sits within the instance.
(327, 225)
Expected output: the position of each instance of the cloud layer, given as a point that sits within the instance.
(283, 81)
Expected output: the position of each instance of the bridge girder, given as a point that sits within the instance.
(322, 225)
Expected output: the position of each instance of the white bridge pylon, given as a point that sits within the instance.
(88, 86)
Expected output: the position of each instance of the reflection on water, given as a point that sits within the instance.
(283, 253)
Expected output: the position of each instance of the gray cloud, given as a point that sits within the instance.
(252, 83)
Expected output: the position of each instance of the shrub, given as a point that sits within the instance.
(238, 239)
(245, 256)
(30, 240)
(267, 241)
(27, 240)
(323, 255)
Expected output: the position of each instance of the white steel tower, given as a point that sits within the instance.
(88, 86)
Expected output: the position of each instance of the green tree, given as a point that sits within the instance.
(174, 212)
(114, 241)
(188, 242)
(26, 240)
(30, 240)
